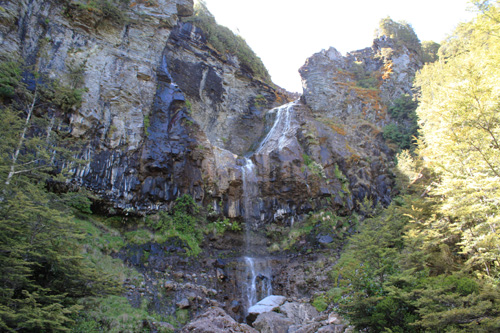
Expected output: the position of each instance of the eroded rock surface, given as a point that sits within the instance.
(216, 320)
(268, 304)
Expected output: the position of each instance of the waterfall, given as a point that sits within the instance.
(258, 271)
(250, 192)
(258, 277)
(259, 280)
(282, 131)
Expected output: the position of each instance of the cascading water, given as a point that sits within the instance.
(282, 131)
(258, 271)
(259, 279)
(258, 284)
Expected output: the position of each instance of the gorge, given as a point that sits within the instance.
(164, 114)
(185, 186)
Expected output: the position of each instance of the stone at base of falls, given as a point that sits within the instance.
(299, 317)
(216, 320)
(299, 312)
(268, 304)
(272, 322)
(334, 329)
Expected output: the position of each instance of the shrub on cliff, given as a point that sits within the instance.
(182, 222)
(430, 51)
(226, 42)
(404, 130)
(111, 10)
(402, 32)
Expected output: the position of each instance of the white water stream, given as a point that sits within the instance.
(282, 132)
(258, 284)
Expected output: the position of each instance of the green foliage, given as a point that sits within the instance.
(364, 79)
(42, 270)
(63, 97)
(184, 221)
(76, 73)
(189, 106)
(429, 262)
(461, 141)
(220, 227)
(343, 180)
(260, 101)
(78, 200)
(10, 78)
(114, 11)
(319, 303)
(402, 32)
(319, 223)
(112, 314)
(314, 167)
(404, 130)
(225, 42)
(139, 236)
(52, 92)
(430, 51)
(182, 316)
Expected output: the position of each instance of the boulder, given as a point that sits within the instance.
(305, 328)
(216, 320)
(332, 329)
(183, 303)
(334, 318)
(268, 304)
(272, 322)
(299, 313)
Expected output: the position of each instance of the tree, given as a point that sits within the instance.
(430, 51)
(42, 272)
(445, 264)
(401, 31)
(460, 123)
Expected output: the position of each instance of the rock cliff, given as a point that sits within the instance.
(165, 114)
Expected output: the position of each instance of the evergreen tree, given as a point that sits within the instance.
(42, 272)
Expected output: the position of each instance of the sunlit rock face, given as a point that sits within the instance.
(164, 114)
(225, 100)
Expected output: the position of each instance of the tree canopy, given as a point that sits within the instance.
(433, 262)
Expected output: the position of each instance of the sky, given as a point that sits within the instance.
(284, 33)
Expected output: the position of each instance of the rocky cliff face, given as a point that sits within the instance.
(165, 114)
(158, 100)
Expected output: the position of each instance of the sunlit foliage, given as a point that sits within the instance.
(431, 260)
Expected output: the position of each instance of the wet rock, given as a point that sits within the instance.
(272, 322)
(305, 328)
(219, 263)
(216, 320)
(221, 275)
(235, 306)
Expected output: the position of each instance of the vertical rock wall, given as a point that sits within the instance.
(165, 114)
